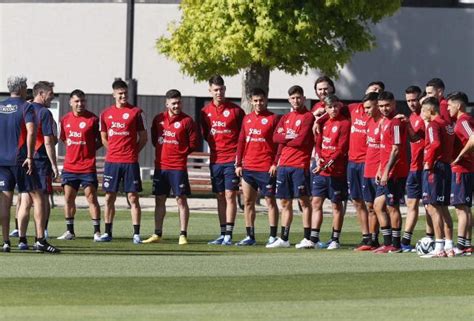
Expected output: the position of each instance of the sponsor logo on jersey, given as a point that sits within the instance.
(2, 183)
(74, 134)
(218, 123)
(254, 131)
(110, 117)
(117, 125)
(8, 109)
(168, 133)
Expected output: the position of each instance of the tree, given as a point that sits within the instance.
(254, 37)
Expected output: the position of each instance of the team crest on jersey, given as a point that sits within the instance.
(126, 115)
(298, 122)
(334, 129)
(226, 113)
(82, 124)
(264, 121)
(177, 125)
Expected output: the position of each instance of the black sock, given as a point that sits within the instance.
(273, 231)
(307, 233)
(229, 229)
(136, 229)
(461, 243)
(375, 237)
(7, 242)
(335, 235)
(108, 228)
(16, 224)
(23, 239)
(406, 240)
(387, 235)
(250, 232)
(366, 238)
(183, 233)
(430, 235)
(223, 226)
(96, 224)
(46, 224)
(285, 233)
(396, 232)
(70, 225)
(159, 232)
(314, 235)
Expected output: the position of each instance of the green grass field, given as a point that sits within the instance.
(122, 281)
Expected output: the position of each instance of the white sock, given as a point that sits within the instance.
(439, 245)
(448, 244)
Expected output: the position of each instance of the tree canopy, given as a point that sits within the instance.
(227, 36)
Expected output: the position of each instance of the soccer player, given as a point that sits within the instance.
(372, 162)
(462, 180)
(375, 87)
(294, 134)
(174, 135)
(45, 154)
(392, 173)
(256, 164)
(416, 131)
(437, 176)
(18, 131)
(123, 134)
(80, 134)
(332, 168)
(221, 121)
(435, 88)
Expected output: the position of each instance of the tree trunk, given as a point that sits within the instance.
(255, 76)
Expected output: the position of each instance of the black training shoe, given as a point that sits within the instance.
(44, 246)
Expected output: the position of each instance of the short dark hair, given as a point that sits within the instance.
(78, 93)
(460, 97)
(42, 86)
(413, 90)
(330, 99)
(119, 84)
(173, 93)
(216, 80)
(436, 83)
(258, 92)
(386, 95)
(432, 101)
(370, 97)
(296, 90)
(325, 79)
(29, 94)
(378, 83)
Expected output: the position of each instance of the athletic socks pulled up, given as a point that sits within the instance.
(314, 236)
(407, 236)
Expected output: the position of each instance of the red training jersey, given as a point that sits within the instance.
(372, 157)
(358, 140)
(122, 126)
(174, 138)
(80, 134)
(438, 142)
(295, 152)
(334, 146)
(394, 133)
(463, 129)
(416, 147)
(256, 150)
(220, 127)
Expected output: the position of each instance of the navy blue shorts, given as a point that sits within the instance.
(45, 174)
(223, 177)
(461, 188)
(16, 175)
(437, 184)
(292, 182)
(114, 173)
(77, 180)
(333, 188)
(394, 191)
(355, 180)
(414, 184)
(260, 181)
(165, 180)
(371, 190)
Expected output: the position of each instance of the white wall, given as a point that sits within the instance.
(83, 46)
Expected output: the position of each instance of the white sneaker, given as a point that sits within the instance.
(67, 236)
(334, 245)
(271, 240)
(434, 254)
(136, 239)
(305, 244)
(278, 243)
(97, 237)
